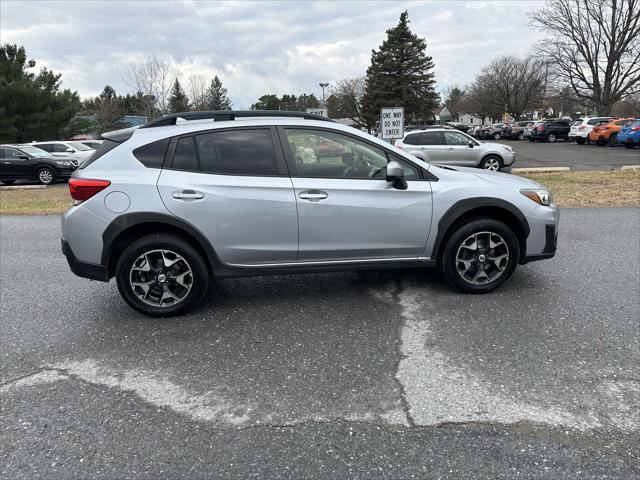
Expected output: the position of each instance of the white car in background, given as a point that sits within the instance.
(581, 128)
(61, 148)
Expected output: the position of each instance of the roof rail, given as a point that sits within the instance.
(226, 115)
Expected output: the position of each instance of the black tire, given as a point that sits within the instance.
(199, 274)
(7, 182)
(628, 145)
(551, 138)
(613, 141)
(496, 136)
(490, 160)
(46, 176)
(521, 137)
(448, 263)
(580, 141)
(601, 142)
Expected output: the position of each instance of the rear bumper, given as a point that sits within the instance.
(84, 269)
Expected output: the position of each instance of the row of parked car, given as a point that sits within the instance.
(592, 130)
(45, 162)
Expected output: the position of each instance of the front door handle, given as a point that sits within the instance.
(313, 195)
(187, 195)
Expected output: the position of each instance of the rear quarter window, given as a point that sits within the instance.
(152, 155)
(411, 139)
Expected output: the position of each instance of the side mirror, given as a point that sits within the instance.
(395, 175)
(470, 144)
(70, 150)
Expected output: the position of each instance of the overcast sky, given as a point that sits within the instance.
(261, 47)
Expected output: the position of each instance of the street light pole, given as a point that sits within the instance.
(323, 86)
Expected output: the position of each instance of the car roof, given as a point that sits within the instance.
(435, 129)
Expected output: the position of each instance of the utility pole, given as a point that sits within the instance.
(323, 86)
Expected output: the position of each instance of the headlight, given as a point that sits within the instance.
(541, 197)
(507, 147)
(63, 163)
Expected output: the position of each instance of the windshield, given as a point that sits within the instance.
(35, 152)
(79, 146)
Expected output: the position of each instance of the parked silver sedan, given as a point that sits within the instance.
(442, 146)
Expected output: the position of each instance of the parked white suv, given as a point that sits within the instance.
(77, 150)
(581, 128)
(445, 146)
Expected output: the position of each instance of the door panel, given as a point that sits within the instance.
(361, 219)
(248, 220)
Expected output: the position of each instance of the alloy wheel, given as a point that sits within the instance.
(161, 278)
(45, 176)
(492, 164)
(482, 258)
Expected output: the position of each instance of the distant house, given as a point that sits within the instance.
(470, 119)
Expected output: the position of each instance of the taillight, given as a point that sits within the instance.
(582, 127)
(635, 129)
(541, 128)
(83, 189)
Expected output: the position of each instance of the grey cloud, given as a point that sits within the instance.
(257, 47)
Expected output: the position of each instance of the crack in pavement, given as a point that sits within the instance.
(439, 392)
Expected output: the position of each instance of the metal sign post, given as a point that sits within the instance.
(392, 123)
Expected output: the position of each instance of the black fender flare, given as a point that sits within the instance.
(461, 207)
(128, 220)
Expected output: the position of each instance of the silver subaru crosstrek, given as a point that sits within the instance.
(165, 207)
(451, 147)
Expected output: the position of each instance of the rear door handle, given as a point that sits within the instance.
(187, 195)
(313, 195)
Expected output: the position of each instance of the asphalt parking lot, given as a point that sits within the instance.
(572, 155)
(360, 375)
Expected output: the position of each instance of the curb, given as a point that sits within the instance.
(540, 170)
(22, 187)
(630, 167)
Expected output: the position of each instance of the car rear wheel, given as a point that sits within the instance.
(492, 163)
(479, 255)
(613, 141)
(602, 142)
(46, 176)
(161, 276)
(580, 141)
(551, 138)
(628, 145)
(521, 137)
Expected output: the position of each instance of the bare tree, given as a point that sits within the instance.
(197, 91)
(512, 84)
(594, 46)
(154, 77)
(476, 102)
(349, 93)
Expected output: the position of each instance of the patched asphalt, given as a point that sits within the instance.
(377, 374)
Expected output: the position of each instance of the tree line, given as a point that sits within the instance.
(589, 56)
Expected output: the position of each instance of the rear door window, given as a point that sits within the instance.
(432, 138)
(238, 152)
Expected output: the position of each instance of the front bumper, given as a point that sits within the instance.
(543, 237)
(84, 269)
(550, 246)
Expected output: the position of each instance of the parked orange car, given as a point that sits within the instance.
(607, 133)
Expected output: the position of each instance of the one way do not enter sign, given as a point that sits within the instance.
(392, 122)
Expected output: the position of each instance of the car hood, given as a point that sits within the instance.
(505, 179)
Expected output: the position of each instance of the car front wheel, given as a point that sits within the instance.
(479, 255)
(161, 276)
(551, 138)
(46, 176)
(580, 141)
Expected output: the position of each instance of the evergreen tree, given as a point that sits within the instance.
(32, 106)
(401, 75)
(216, 96)
(178, 101)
